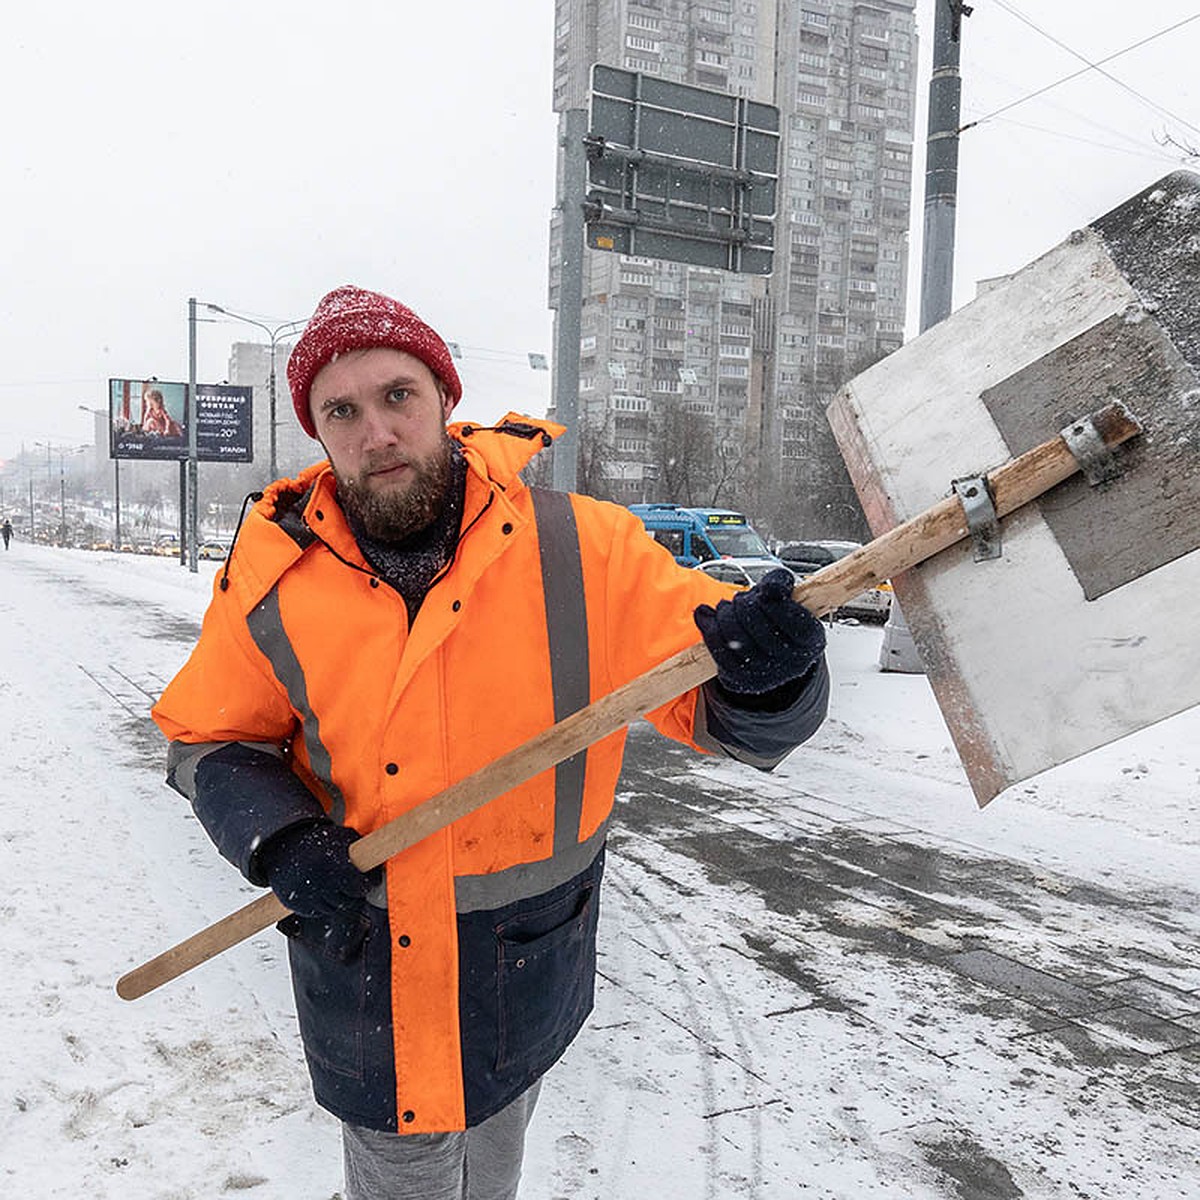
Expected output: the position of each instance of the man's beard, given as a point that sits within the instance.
(394, 515)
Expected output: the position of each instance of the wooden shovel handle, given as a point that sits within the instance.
(1012, 485)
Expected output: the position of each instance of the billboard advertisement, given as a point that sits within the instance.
(148, 419)
(224, 423)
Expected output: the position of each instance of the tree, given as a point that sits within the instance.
(817, 498)
(593, 463)
(695, 466)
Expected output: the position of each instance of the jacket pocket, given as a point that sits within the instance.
(546, 966)
(329, 979)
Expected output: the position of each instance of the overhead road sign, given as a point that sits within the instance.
(681, 173)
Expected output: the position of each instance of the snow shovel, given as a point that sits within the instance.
(1062, 632)
(1008, 488)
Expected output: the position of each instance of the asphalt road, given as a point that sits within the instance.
(825, 1004)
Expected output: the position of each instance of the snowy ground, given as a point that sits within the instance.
(803, 988)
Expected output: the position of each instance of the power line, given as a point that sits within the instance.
(1138, 153)
(1091, 66)
(1137, 142)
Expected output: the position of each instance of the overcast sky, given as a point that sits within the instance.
(256, 155)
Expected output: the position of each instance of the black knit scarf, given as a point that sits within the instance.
(411, 564)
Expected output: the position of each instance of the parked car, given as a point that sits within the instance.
(213, 550)
(729, 570)
(803, 558)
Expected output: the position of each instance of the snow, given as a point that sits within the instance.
(752, 1038)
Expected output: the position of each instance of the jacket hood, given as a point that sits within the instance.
(506, 447)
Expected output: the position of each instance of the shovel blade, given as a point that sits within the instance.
(1079, 633)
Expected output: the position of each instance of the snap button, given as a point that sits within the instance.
(456, 605)
(506, 527)
(320, 515)
(409, 1116)
(520, 964)
(391, 768)
(374, 581)
(404, 940)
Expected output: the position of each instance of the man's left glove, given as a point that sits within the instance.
(761, 639)
(308, 867)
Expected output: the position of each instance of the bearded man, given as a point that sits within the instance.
(388, 624)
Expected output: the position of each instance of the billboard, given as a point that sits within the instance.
(224, 423)
(148, 419)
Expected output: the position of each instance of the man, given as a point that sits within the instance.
(6, 531)
(388, 623)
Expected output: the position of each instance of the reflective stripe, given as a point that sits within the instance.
(476, 893)
(570, 685)
(266, 628)
(566, 627)
(183, 759)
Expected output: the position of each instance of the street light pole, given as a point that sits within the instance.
(193, 460)
(273, 335)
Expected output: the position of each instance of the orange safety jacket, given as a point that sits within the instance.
(473, 967)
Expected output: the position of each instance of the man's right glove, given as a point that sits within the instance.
(308, 867)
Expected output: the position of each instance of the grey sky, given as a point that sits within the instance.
(257, 155)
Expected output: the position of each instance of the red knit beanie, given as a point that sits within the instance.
(350, 318)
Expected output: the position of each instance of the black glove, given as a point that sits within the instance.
(761, 639)
(308, 867)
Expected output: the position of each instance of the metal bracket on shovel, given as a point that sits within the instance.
(1096, 458)
(982, 521)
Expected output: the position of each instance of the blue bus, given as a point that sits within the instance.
(698, 536)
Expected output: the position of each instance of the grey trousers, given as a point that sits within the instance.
(484, 1163)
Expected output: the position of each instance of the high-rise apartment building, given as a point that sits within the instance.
(705, 386)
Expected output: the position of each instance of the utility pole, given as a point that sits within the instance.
(568, 318)
(192, 491)
(898, 653)
(941, 163)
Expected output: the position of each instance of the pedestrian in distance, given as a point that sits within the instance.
(6, 532)
(389, 622)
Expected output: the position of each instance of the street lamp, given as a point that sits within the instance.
(273, 334)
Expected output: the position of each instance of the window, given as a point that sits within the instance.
(623, 402)
(672, 539)
(643, 21)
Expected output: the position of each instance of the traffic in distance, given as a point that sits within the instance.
(724, 544)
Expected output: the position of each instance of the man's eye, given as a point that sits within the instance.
(398, 395)
(341, 412)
